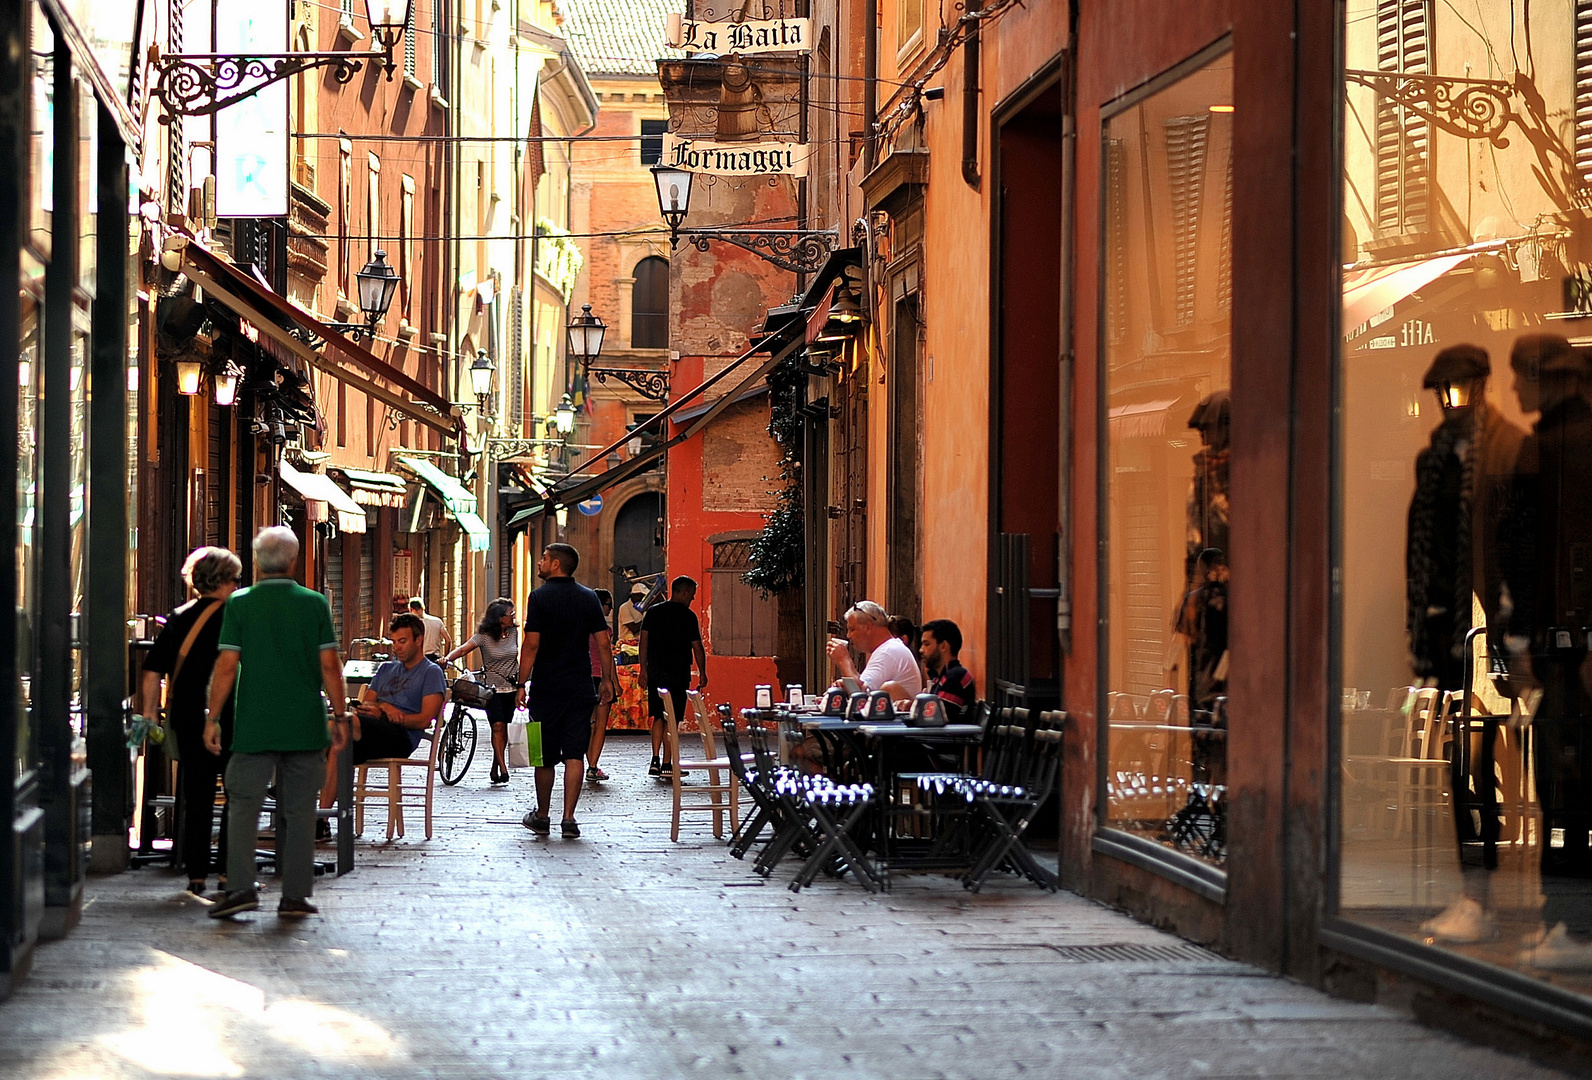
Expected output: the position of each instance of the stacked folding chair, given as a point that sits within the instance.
(835, 809)
(791, 823)
(1019, 774)
(765, 814)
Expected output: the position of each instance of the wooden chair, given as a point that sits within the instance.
(395, 790)
(721, 782)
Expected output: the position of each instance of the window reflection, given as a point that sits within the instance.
(1166, 317)
(1466, 465)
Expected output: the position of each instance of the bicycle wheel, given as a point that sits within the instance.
(458, 745)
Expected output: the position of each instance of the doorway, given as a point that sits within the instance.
(638, 541)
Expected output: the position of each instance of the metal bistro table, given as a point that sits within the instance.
(873, 752)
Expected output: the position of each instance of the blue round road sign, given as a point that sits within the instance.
(591, 507)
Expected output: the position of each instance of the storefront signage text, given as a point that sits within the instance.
(735, 159)
(739, 38)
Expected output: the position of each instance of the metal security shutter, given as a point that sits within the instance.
(367, 585)
(741, 621)
(334, 584)
(1583, 88)
(1403, 140)
(1187, 140)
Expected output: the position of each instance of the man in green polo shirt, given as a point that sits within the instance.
(278, 649)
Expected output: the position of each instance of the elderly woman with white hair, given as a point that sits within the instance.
(183, 656)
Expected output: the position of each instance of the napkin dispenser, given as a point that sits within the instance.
(928, 710)
(880, 708)
(836, 701)
(857, 708)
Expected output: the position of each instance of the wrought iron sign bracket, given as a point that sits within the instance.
(801, 251)
(1469, 108)
(198, 84)
(509, 449)
(652, 385)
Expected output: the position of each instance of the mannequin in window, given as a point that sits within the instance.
(1546, 547)
(1207, 496)
(1462, 482)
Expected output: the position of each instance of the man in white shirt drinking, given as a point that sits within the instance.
(889, 661)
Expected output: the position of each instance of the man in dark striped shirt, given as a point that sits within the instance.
(948, 680)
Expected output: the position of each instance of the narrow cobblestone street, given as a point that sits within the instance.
(490, 953)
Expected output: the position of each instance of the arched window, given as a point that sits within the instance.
(649, 305)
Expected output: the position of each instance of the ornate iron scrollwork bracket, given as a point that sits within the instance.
(509, 449)
(198, 84)
(801, 251)
(1469, 108)
(653, 385)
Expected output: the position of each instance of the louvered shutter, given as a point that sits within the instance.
(1583, 88)
(334, 585)
(1403, 140)
(516, 357)
(1117, 239)
(1187, 140)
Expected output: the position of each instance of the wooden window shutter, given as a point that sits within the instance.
(1403, 140)
(1117, 239)
(1583, 88)
(1187, 139)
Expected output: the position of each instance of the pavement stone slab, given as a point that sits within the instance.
(488, 952)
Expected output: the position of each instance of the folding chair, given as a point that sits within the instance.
(1008, 809)
(792, 824)
(766, 808)
(835, 809)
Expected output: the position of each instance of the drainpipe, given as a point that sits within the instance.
(1069, 143)
(870, 85)
(970, 74)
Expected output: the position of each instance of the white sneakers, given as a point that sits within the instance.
(1556, 951)
(1463, 922)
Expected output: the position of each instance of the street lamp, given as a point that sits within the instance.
(586, 341)
(674, 196)
(586, 335)
(564, 416)
(199, 84)
(376, 283)
(189, 372)
(801, 251)
(481, 377)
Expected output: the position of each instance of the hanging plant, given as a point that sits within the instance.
(779, 552)
(558, 257)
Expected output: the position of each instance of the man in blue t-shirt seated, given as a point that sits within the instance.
(398, 706)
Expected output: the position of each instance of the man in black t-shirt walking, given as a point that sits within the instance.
(670, 637)
(560, 620)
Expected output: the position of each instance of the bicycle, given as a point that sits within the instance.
(456, 750)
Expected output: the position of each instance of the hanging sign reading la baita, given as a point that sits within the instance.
(735, 159)
(739, 38)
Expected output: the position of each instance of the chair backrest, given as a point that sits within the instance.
(1423, 703)
(978, 714)
(699, 710)
(732, 744)
(1180, 711)
(435, 735)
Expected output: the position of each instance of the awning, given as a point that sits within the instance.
(316, 487)
(455, 498)
(342, 359)
(1367, 292)
(375, 488)
(692, 413)
(1141, 420)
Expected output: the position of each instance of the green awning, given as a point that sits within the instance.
(474, 527)
(456, 498)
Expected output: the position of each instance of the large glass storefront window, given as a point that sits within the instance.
(1465, 457)
(1166, 335)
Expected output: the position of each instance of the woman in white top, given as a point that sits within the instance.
(498, 638)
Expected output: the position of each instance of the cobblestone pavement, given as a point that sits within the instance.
(487, 952)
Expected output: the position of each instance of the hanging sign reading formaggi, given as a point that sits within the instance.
(735, 159)
(740, 38)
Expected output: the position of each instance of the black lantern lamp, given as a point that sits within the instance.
(674, 197)
(801, 251)
(564, 416)
(586, 336)
(481, 377)
(376, 284)
(388, 20)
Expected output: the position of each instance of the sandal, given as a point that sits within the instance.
(594, 775)
(499, 777)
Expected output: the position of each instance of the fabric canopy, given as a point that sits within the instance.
(456, 498)
(318, 488)
(1367, 292)
(376, 488)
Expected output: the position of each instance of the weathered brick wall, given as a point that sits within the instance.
(740, 463)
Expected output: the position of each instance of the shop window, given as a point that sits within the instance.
(1167, 365)
(741, 620)
(652, 141)
(1464, 528)
(649, 305)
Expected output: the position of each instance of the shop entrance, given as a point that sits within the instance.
(638, 541)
